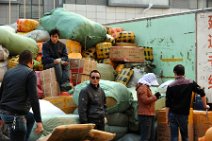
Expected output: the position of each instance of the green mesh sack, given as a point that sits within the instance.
(16, 43)
(119, 98)
(74, 26)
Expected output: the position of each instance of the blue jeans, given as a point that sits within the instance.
(146, 125)
(62, 72)
(23, 126)
(178, 122)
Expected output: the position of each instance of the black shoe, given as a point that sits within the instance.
(65, 87)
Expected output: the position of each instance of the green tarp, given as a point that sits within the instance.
(74, 26)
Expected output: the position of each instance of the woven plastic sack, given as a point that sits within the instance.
(110, 38)
(51, 121)
(74, 26)
(38, 35)
(26, 25)
(126, 36)
(118, 97)
(107, 71)
(13, 61)
(89, 53)
(107, 61)
(124, 76)
(119, 131)
(73, 46)
(8, 28)
(114, 31)
(4, 53)
(103, 50)
(148, 53)
(16, 43)
(118, 119)
(3, 69)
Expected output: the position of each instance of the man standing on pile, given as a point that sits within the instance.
(92, 102)
(54, 54)
(178, 99)
(18, 93)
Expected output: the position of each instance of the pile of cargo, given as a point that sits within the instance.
(111, 50)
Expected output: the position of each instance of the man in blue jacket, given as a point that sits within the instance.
(54, 54)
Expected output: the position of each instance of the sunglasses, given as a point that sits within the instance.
(93, 77)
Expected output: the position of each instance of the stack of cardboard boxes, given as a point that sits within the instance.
(163, 128)
(80, 69)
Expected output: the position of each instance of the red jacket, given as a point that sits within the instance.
(146, 100)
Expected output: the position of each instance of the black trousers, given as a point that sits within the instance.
(99, 122)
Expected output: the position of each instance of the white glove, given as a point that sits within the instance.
(105, 120)
(207, 107)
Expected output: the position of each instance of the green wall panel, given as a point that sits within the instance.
(172, 39)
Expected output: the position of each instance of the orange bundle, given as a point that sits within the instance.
(26, 25)
(114, 31)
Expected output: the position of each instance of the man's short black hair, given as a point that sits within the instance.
(25, 57)
(95, 71)
(179, 69)
(54, 31)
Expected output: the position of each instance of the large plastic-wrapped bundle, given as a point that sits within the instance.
(51, 121)
(74, 26)
(26, 25)
(38, 35)
(3, 69)
(4, 53)
(107, 71)
(103, 50)
(16, 43)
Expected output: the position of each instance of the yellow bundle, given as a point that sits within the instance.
(148, 53)
(126, 36)
(13, 61)
(103, 50)
(124, 76)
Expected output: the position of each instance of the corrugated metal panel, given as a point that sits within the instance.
(172, 39)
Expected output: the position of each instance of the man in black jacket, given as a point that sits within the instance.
(178, 99)
(18, 93)
(54, 54)
(92, 102)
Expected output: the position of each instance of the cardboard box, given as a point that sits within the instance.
(163, 128)
(78, 78)
(202, 122)
(82, 66)
(162, 116)
(163, 132)
(127, 54)
(49, 82)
